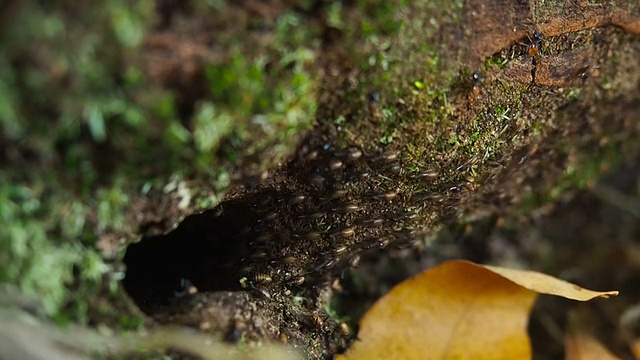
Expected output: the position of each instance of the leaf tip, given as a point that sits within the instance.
(608, 294)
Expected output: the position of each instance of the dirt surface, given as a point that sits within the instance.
(529, 159)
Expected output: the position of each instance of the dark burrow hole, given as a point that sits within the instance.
(206, 250)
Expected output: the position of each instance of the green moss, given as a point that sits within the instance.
(91, 134)
(258, 103)
(32, 256)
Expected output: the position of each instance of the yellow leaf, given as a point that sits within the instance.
(635, 348)
(457, 310)
(545, 284)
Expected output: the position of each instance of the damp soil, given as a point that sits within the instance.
(549, 181)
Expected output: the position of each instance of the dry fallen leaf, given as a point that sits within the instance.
(635, 348)
(579, 342)
(458, 310)
(546, 284)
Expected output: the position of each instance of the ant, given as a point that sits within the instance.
(536, 43)
(477, 79)
(533, 49)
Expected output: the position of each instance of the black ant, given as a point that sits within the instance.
(583, 73)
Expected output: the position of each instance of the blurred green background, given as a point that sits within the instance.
(86, 128)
